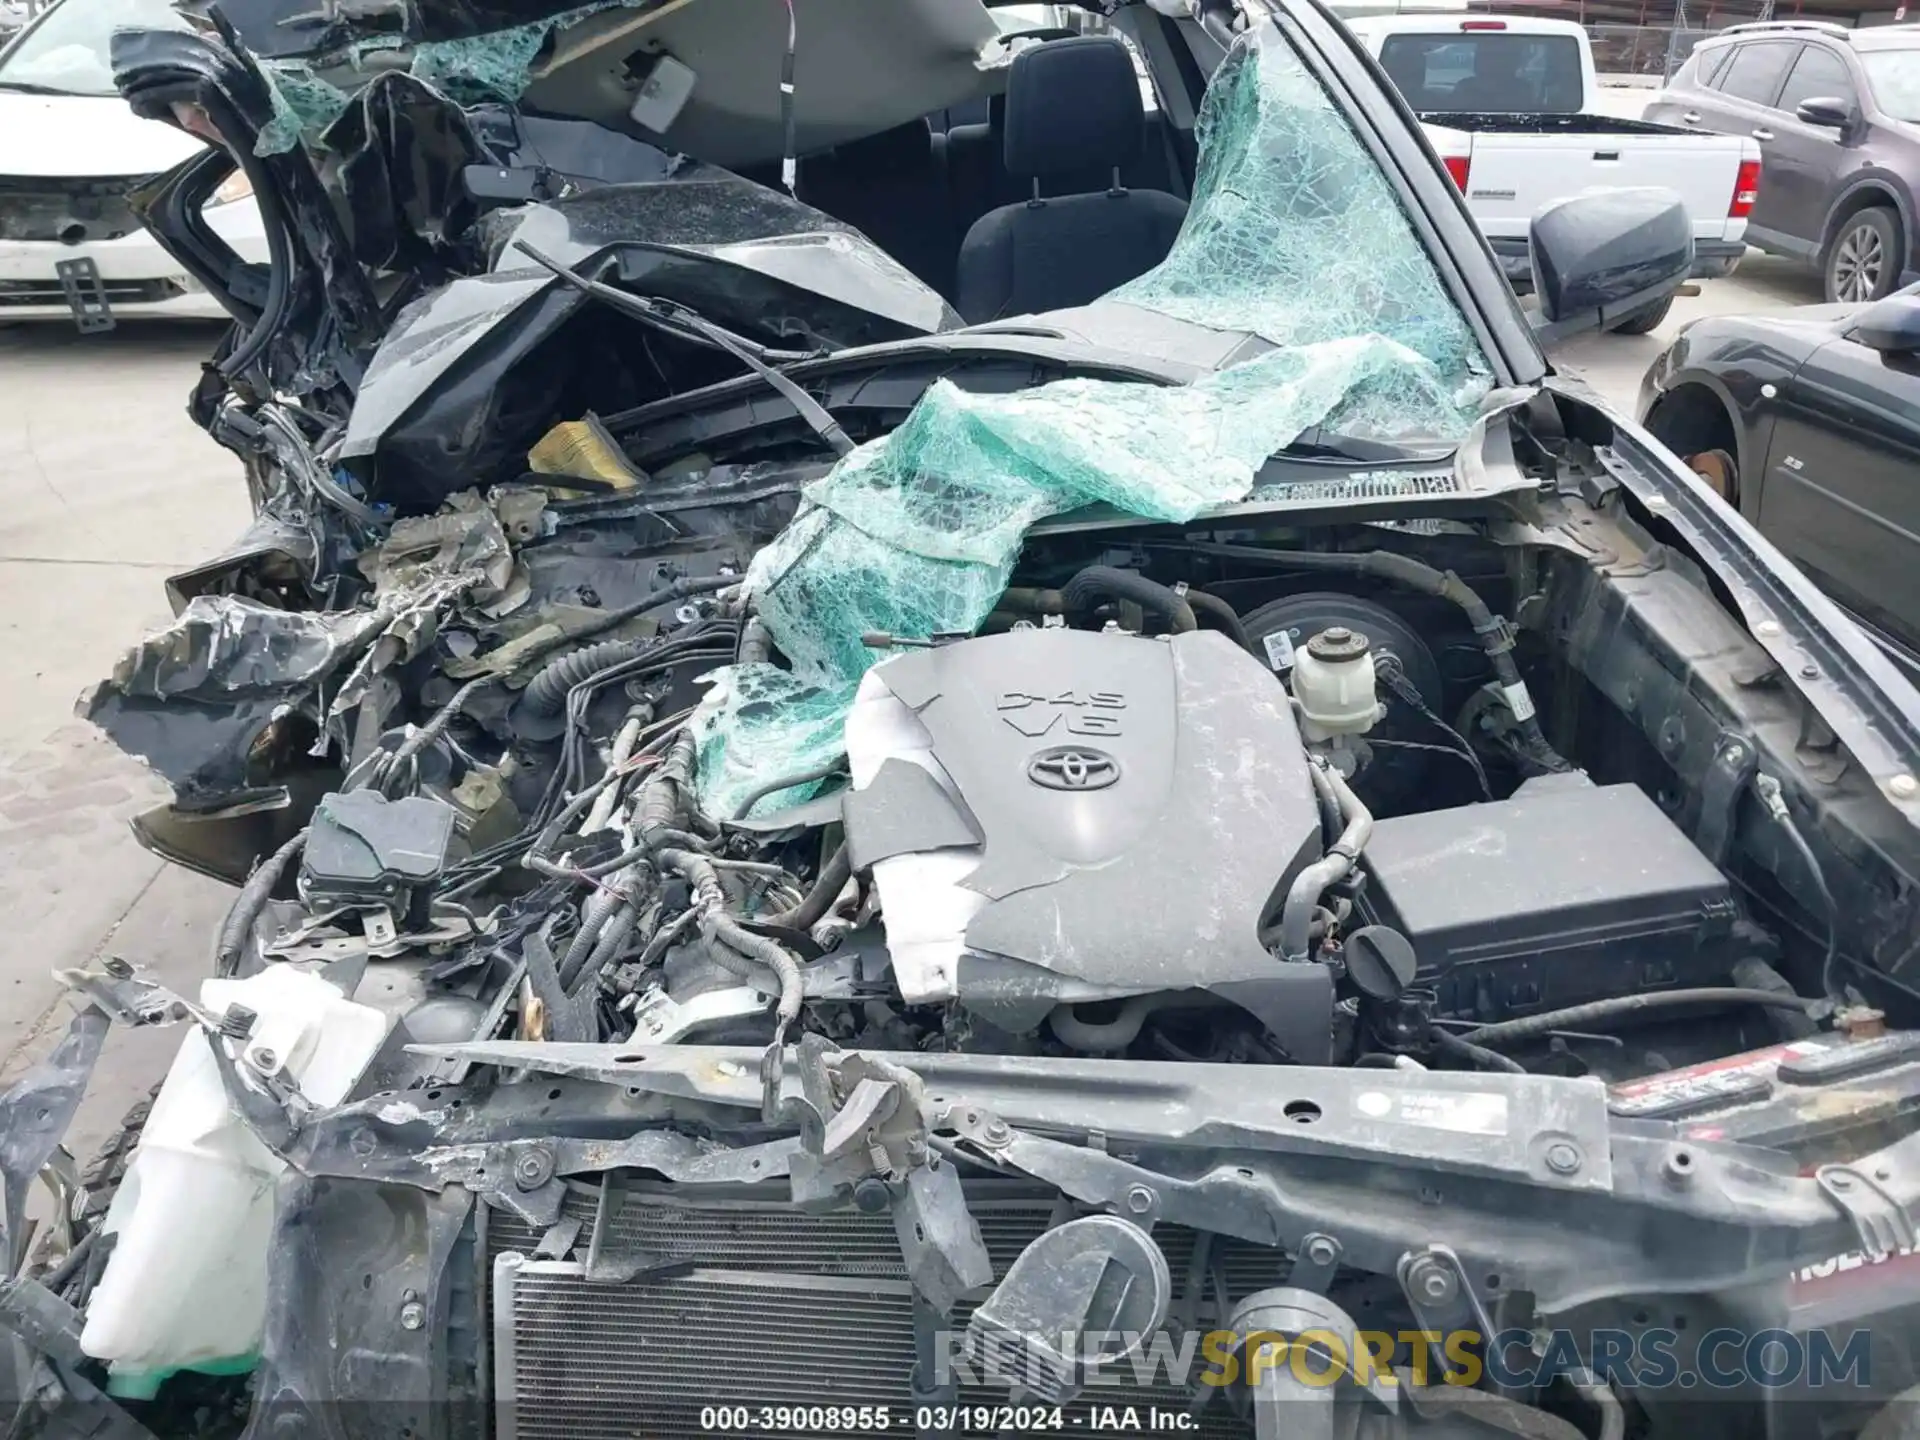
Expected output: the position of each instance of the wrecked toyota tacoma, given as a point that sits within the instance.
(890, 771)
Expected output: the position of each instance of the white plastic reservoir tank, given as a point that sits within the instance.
(186, 1285)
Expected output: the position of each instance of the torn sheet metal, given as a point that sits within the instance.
(198, 698)
(222, 646)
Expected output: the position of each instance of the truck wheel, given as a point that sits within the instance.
(1863, 263)
(1643, 322)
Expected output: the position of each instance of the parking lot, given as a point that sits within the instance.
(108, 487)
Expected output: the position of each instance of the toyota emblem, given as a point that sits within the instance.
(1069, 767)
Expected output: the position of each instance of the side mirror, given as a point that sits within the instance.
(1891, 326)
(1825, 110)
(1600, 256)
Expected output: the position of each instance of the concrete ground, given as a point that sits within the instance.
(105, 488)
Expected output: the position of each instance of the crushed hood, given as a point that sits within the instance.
(78, 136)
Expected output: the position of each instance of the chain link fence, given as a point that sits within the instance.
(1657, 50)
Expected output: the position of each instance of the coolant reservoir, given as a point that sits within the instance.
(1333, 682)
(186, 1285)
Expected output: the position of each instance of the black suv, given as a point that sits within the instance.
(1837, 115)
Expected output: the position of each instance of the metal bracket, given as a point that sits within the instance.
(123, 997)
(630, 1266)
(1735, 758)
(1316, 1264)
(320, 938)
(860, 1118)
(86, 295)
(659, 1019)
(34, 1114)
(1220, 1201)
(939, 1238)
(1883, 1226)
(1440, 1293)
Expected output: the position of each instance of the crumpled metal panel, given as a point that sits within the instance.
(1293, 235)
(195, 698)
(222, 646)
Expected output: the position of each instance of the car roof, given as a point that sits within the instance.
(1874, 37)
(1443, 22)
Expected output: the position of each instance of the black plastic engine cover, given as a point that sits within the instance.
(1564, 893)
(1137, 804)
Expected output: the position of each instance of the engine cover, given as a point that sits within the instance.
(1059, 815)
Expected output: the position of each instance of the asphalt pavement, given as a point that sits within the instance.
(106, 487)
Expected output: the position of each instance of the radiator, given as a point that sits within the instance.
(782, 1309)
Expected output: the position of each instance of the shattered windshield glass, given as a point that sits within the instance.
(1294, 236)
(493, 66)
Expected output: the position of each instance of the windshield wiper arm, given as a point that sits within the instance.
(28, 87)
(678, 320)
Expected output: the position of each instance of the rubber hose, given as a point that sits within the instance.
(784, 782)
(1027, 600)
(1114, 1034)
(1223, 617)
(593, 919)
(1753, 973)
(662, 809)
(1303, 896)
(613, 938)
(826, 889)
(248, 904)
(1103, 582)
(546, 693)
(1478, 1056)
(1625, 1007)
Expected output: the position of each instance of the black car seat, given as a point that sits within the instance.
(1072, 106)
(975, 165)
(893, 188)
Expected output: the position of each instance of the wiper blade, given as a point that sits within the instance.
(1317, 443)
(28, 87)
(680, 321)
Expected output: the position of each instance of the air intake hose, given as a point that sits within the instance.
(546, 693)
(1090, 586)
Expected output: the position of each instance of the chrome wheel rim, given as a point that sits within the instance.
(1858, 262)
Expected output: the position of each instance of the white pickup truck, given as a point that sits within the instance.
(1509, 102)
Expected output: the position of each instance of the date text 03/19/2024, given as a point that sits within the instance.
(943, 1419)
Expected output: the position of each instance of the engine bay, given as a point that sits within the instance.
(1242, 799)
(798, 865)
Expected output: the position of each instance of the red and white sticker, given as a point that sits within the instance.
(1703, 1083)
